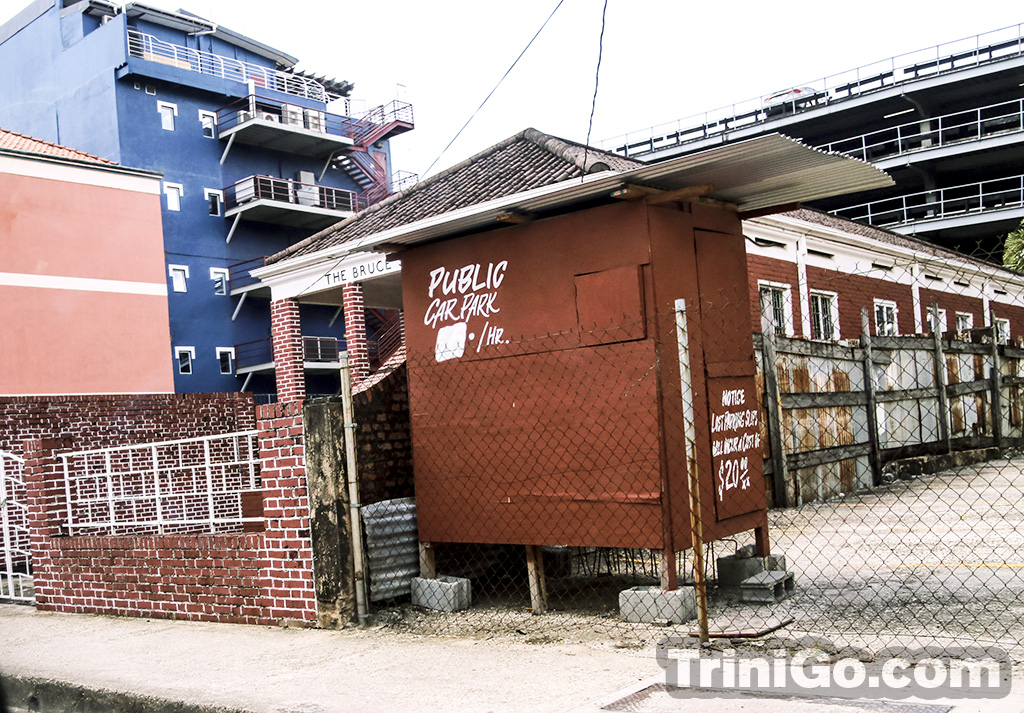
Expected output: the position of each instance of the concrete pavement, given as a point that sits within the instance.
(158, 666)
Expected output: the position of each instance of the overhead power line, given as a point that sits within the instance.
(507, 72)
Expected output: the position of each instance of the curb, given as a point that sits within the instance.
(49, 696)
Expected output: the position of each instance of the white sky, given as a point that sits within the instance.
(663, 60)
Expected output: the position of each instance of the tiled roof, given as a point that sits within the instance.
(887, 236)
(528, 160)
(20, 142)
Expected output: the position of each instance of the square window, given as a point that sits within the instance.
(776, 308)
(226, 357)
(885, 318)
(1002, 330)
(208, 120)
(167, 113)
(173, 191)
(214, 201)
(930, 317)
(184, 356)
(179, 277)
(824, 316)
(964, 321)
(220, 277)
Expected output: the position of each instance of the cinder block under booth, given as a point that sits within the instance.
(442, 593)
(644, 605)
(732, 570)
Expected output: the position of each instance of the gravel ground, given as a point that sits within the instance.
(934, 560)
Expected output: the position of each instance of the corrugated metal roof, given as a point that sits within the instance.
(763, 172)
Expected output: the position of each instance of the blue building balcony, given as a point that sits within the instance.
(282, 201)
(152, 49)
(268, 123)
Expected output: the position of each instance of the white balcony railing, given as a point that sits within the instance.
(15, 557)
(208, 484)
(148, 47)
(953, 202)
(953, 56)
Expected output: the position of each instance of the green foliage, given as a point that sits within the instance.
(1013, 249)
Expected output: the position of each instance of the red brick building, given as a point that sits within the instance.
(811, 273)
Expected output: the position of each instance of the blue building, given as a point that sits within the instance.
(254, 155)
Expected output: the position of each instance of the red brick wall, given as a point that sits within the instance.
(772, 270)
(355, 333)
(100, 421)
(856, 291)
(286, 333)
(1013, 313)
(286, 553)
(952, 303)
(197, 577)
(244, 578)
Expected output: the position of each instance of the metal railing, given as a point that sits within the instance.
(935, 132)
(948, 57)
(287, 191)
(238, 273)
(205, 484)
(320, 349)
(386, 341)
(149, 47)
(15, 556)
(379, 120)
(997, 194)
(254, 353)
(253, 107)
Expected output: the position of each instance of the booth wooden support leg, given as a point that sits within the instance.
(428, 567)
(762, 547)
(669, 577)
(535, 573)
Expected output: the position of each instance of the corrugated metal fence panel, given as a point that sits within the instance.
(392, 547)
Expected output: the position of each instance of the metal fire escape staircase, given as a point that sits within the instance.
(378, 124)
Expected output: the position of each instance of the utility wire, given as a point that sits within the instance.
(509, 70)
(597, 79)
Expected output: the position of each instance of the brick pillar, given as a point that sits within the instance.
(46, 502)
(355, 332)
(286, 558)
(286, 336)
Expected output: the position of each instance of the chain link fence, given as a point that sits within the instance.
(845, 470)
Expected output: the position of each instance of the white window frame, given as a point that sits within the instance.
(1002, 325)
(208, 121)
(179, 277)
(220, 277)
(833, 300)
(209, 193)
(167, 112)
(968, 318)
(943, 321)
(895, 327)
(787, 305)
(230, 353)
(174, 192)
(184, 368)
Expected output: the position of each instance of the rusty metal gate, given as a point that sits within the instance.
(15, 557)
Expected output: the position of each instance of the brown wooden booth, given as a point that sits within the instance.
(507, 314)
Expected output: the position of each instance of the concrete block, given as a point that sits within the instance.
(650, 604)
(767, 587)
(732, 569)
(442, 593)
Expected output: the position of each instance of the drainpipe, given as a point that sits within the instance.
(355, 516)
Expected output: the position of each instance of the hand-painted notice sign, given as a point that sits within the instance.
(463, 298)
(736, 447)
